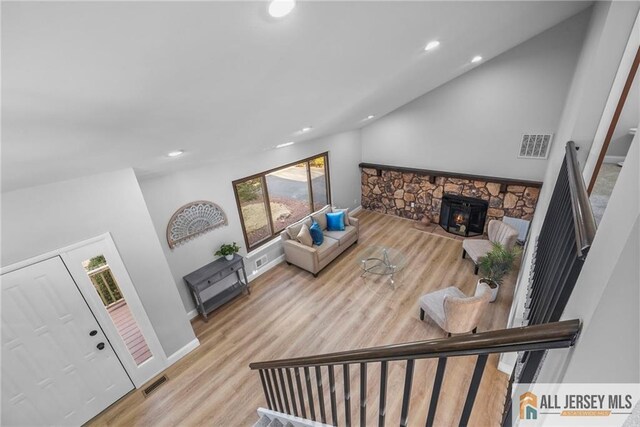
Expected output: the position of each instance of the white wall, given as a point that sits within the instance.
(474, 123)
(40, 219)
(606, 295)
(165, 194)
(609, 30)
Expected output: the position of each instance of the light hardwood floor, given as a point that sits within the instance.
(289, 314)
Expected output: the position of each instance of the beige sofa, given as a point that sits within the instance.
(315, 258)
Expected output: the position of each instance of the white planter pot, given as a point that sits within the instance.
(494, 291)
(229, 257)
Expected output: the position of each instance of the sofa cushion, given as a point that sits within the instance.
(346, 214)
(304, 236)
(320, 218)
(342, 236)
(327, 248)
(335, 221)
(294, 229)
(316, 234)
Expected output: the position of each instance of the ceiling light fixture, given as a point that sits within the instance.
(280, 8)
(175, 153)
(286, 144)
(306, 129)
(476, 58)
(432, 45)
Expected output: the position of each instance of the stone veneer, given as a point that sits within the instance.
(393, 192)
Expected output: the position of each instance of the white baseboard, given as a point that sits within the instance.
(184, 350)
(356, 210)
(614, 159)
(507, 362)
(505, 367)
(192, 314)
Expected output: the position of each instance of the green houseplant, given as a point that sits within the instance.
(495, 265)
(228, 250)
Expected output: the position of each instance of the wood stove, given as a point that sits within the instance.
(464, 216)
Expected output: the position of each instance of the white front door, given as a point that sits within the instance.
(57, 366)
(125, 323)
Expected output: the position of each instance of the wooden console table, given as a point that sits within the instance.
(212, 273)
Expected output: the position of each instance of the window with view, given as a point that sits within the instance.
(270, 201)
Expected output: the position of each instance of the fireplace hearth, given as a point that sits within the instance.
(464, 216)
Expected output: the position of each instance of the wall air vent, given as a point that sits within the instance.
(260, 262)
(535, 146)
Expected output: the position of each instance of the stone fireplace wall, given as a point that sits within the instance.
(393, 192)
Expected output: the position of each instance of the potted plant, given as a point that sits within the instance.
(228, 250)
(494, 266)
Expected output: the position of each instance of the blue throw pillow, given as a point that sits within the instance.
(316, 233)
(335, 221)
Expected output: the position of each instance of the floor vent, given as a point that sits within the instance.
(155, 385)
(535, 146)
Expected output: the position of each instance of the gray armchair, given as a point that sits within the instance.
(453, 311)
(498, 232)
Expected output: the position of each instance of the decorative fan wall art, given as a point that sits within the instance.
(192, 220)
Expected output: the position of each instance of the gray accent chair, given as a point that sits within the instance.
(498, 232)
(453, 311)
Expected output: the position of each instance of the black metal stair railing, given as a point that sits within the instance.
(564, 241)
(289, 396)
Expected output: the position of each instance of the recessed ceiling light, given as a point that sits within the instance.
(476, 58)
(432, 45)
(370, 117)
(280, 8)
(306, 129)
(175, 153)
(286, 144)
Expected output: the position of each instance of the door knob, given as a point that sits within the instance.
(93, 333)
(100, 346)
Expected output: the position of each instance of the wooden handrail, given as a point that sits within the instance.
(536, 337)
(583, 219)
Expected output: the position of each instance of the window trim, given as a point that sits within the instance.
(267, 201)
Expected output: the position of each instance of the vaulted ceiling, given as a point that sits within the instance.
(89, 87)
